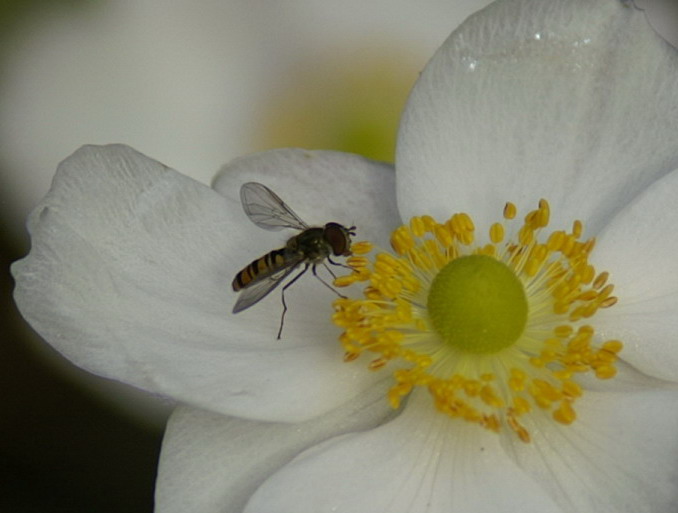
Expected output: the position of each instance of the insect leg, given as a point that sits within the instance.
(324, 282)
(282, 317)
(338, 264)
(334, 276)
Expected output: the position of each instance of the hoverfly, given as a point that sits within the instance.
(311, 247)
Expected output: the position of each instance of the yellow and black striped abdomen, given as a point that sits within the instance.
(259, 268)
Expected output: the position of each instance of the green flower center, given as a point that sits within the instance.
(477, 304)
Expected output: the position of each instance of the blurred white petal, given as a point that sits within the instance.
(210, 463)
(419, 462)
(639, 248)
(618, 457)
(662, 15)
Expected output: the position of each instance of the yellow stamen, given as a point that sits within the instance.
(493, 386)
(497, 233)
(510, 211)
(361, 248)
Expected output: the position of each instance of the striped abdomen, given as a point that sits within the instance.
(259, 268)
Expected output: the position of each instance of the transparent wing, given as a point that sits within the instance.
(260, 288)
(266, 209)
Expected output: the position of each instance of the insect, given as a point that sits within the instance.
(313, 246)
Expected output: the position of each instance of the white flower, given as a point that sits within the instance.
(569, 100)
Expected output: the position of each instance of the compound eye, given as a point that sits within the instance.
(338, 239)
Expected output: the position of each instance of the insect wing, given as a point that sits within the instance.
(260, 288)
(265, 208)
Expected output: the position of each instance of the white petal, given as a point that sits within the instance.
(210, 463)
(639, 247)
(568, 100)
(619, 456)
(129, 277)
(420, 462)
(662, 15)
(325, 186)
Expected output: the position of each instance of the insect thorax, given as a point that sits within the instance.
(311, 244)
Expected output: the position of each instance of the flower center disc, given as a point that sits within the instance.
(497, 333)
(477, 304)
